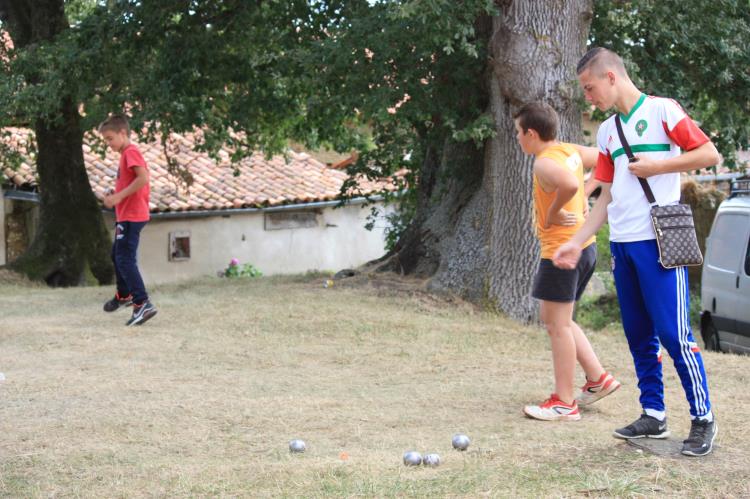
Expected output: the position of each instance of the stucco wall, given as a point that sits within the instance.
(338, 241)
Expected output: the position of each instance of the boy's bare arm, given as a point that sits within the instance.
(591, 185)
(567, 255)
(701, 157)
(565, 185)
(589, 155)
(141, 179)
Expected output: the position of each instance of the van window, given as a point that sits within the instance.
(724, 251)
(747, 259)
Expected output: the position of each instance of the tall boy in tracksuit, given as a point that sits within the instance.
(653, 300)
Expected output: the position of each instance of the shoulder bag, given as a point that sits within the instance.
(673, 224)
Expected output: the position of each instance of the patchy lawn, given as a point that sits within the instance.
(202, 400)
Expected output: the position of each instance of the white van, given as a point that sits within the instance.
(725, 287)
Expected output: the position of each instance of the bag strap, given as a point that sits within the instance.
(632, 159)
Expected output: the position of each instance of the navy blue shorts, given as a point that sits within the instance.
(564, 285)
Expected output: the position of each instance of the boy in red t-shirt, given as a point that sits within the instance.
(130, 200)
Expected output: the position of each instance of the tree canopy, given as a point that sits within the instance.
(388, 78)
(319, 71)
(696, 53)
(347, 75)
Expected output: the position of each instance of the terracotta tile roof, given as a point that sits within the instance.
(342, 165)
(261, 182)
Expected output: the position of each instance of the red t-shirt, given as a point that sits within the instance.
(133, 208)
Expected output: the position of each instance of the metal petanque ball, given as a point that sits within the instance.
(431, 460)
(297, 445)
(461, 442)
(412, 458)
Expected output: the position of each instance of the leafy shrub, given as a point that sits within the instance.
(603, 253)
(599, 312)
(245, 270)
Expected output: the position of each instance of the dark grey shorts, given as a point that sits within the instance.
(563, 285)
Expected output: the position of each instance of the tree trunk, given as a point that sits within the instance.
(71, 236)
(473, 233)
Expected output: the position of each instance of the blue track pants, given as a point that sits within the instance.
(654, 303)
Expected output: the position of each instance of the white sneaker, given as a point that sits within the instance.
(595, 390)
(553, 409)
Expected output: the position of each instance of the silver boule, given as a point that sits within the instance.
(431, 460)
(297, 445)
(412, 458)
(461, 441)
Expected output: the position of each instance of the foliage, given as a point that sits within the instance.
(235, 269)
(696, 53)
(603, 253)
(383, 78)
(404, 204)
(257, 74)
(695, 309)
(405, 78)
(598, 312)
(174, 65)
(9, 157)
(387, 78)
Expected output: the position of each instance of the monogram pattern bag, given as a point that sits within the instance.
(673, 224)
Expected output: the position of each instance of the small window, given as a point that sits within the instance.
(179, 245)
(279, 220)
(747, 259)
(725, 251)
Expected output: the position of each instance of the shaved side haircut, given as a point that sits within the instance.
(598, 60)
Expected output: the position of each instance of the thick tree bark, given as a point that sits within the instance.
(71, 237)
(473, 234)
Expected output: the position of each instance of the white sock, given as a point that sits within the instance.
(708, 417)
(660, 415)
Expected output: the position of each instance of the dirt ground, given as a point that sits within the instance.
(203, 400)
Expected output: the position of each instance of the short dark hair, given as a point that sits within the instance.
(115, 122)
(540, 117)
(598, 57)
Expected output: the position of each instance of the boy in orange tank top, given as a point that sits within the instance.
(560, 205)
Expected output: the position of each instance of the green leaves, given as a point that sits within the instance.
(696, 53)
(235, 270)
(341, 74)
(478, 130)
(373, 76)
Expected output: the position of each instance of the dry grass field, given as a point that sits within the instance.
(202, 400)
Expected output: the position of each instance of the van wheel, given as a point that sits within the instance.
(710, 335)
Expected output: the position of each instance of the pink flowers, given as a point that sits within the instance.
(235, 269)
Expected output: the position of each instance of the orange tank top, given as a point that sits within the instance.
(551, 238)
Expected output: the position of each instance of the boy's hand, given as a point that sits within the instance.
(567, 255)
(111, 200)
(644, 167)
(563, 217)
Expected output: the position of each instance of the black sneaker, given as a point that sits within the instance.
(117, 302)
(141, 313)
(701, 439)
(645, 426)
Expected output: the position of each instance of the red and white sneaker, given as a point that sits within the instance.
(553, 409)
(595, 390)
